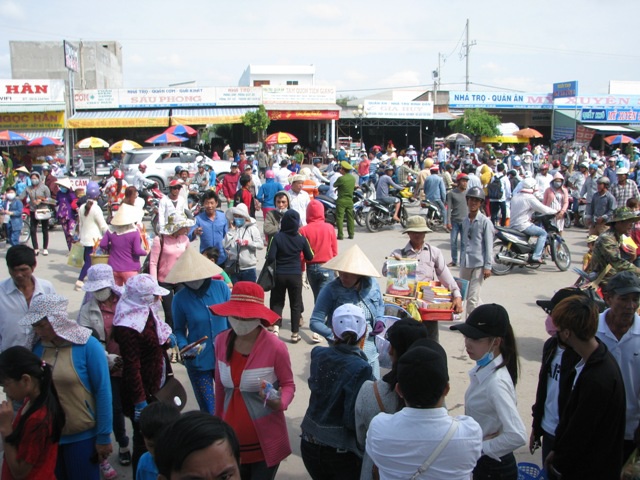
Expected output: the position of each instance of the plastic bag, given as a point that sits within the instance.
(76, 255)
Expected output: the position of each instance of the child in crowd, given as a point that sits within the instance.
(213, 254)
(153, 419)
(30, 440)
(586, 259)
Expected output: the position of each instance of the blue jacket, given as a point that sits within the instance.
(267, 193)
(434, 189)
(90, 364)
(213, 232)
(192, 320)
(335, 378)
(15, 207)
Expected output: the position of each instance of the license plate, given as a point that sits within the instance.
(365, 209)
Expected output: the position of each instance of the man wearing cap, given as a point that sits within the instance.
(600, 210)
(299, 198)
(400, 444)
(382, 190)
(624, 190)
(316, 173)
(456, 213)
(171, 203)
(608, 248)
(619, 330)
(201, 178)
(345, 185)
(431, 264)
(543, 180)
(435, 191)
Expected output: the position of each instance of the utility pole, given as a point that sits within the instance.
(467, 49)
(436, 81)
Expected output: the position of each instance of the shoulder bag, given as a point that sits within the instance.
(267, 278)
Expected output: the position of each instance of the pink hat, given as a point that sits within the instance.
(270, 174)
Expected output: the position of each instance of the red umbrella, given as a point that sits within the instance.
(281, 137)
(182, 130)
(43, 141)
(615, 139)
(166, 138)
(9, 136)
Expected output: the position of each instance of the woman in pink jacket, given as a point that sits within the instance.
(557, 197)
(253, 381)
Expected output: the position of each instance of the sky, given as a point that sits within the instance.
(358, 46)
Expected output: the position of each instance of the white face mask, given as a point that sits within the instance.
(103, 294)
(243, 326)
(11, 196)
(195, 284)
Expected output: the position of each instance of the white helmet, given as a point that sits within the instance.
(529, 183)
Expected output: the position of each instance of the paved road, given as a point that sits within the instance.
(517, 291)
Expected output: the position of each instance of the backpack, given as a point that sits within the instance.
(494, 189)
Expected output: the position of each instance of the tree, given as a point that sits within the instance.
(257, 121)
(476, 123)
(342, 101)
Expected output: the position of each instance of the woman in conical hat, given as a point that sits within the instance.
(355, 284)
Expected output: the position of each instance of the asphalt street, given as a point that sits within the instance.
(517, 292)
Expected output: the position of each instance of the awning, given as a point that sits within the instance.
(504, 139)
(607, 128)
(38, 107)
(208, 116)
(303, 111)
(120, 119)
(51, 132)
(32, 120)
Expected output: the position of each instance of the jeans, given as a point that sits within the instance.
(534, 231)
(456, 230)
(318, 277)
(291, 284)
(202, 383)
(74, 461)
(326, 463)
(13, 236)
(363, 179)
(248, 275)
(548, 443)
(498, 207)
(489, 469)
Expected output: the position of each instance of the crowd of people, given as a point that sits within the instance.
(73, 384)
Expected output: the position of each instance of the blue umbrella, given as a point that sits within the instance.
(166, 138)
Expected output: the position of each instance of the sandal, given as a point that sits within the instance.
(276, 330)
(295, 338)
(315, 338)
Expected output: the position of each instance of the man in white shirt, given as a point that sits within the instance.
(543, 180)
(283, 173)
(619, 330)
(16, 294)
(171, 203)
(422, 438)
(299, 198)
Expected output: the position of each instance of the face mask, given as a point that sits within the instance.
(282, 210)
(195, 284)
(35, 181)
(64, 190)
(11, 196)
(557, 184)
(487, 358)
(243, 326)
(103, 294)
(238, 222)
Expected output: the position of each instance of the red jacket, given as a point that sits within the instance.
(230, 185)
(320, 234)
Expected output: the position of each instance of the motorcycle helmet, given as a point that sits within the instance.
(512, 172)
(516, 162)
(270, 174)
(593, 166)
(178, 169)
(475, 192)
(199, 158)
(142, 167)
(428, 163)
(46, 168)
(604, 180)
(49, 158)
(117, 174)
(93, 190)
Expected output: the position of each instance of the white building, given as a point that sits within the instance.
(278, 75)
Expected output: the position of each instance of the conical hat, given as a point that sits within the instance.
(126, 215)
(190, 266)
(352, 261)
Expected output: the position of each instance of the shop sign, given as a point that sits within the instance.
(145, 98)
(31, 91)
(584, 135)
(303, 114)
(238, 96)
(398, 110)
(298, 94)
(88, 99)
(610, 115)
(70, 56)
(118, 122)
(31, 120)
(565, 89)
(500, 100)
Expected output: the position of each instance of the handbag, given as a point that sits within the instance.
(76, 255)
(267, 277)
(42, 214)
(172, 392)
(145, 265)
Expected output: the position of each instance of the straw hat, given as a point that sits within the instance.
(247, 302)
(177, 221)
(64, 182)
(190, 266)
(417, 223)
(126, 215)
(353, 261)
(23, 170)
(297, 178)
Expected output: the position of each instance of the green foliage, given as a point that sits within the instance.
(342, 101)
(257, 121)
(477, 123)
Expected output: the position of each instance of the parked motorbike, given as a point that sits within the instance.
(379, 213)
(329, 205)
(431, 213)
(573, 219)
(513, 248)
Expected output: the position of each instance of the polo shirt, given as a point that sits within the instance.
(626, 351)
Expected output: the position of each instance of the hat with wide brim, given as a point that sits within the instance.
(191, 266)
(100, 276)
(64, 182)
(353, 261)
(177, 221)
(247, 301)
(23, 170)
(418, 224)
(623, 214)
(127, 215)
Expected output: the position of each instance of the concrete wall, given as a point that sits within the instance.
(278, 75)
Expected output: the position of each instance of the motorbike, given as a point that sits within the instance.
(513, 248)
(431, 213)
(573, 219)
(329, 205)
(379, 213)
(152, 196)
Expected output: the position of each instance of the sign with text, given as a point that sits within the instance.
(565, 89)
(298, 94)
(303, 114)
(500, 100)
(238, 96)
(392, 109)
(31, 120)
(70, 56)
(31, 91)
(584, 135)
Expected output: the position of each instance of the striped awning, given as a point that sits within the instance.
(57, 133)
(119, 119)
(208, 116)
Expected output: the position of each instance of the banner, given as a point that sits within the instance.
(238, 96)
(397, 109)
(565, 89)
(111, 122)
(70, 56)
(584, 135)
(31, 91)
(298, 94)
(31, 120)
(303, 114)
(500, 100)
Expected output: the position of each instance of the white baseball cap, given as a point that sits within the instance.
(348, 318)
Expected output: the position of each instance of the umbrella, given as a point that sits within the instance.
(92, 142)
(9, 136)
(43, 141)
(457, 137)
(528, 133)
(281, 137)
(124, 146)
(182, 130)
(166, 138)
(614, 139)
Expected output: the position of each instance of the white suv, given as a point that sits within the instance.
(161, 163)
